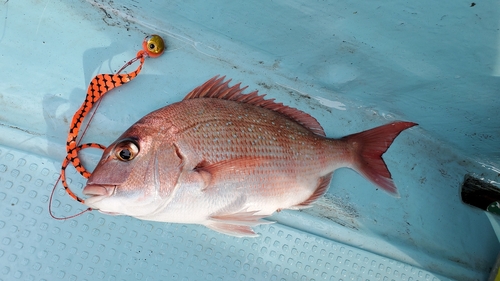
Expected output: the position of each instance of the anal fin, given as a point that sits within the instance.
(323, 184)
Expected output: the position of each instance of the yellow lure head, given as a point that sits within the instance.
(153, 45)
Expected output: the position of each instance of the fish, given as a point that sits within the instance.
(227, 160)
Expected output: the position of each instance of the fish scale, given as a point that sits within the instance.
(213, 140)
(265, 141)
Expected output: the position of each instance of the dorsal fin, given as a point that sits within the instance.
(216, 88)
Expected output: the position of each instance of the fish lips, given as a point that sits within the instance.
(97, 193)
(99, 190)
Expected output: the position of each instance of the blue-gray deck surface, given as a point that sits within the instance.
(353, 66)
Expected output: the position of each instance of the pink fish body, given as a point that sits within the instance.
(226, 160)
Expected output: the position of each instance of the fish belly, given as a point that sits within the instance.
(260, 190)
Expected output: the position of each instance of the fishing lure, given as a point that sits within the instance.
(153, 46)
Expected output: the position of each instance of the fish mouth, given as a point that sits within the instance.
(99, 190)
(97, 193)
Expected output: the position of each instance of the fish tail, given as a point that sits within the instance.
(368, 148)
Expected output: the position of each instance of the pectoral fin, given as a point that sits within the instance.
(232, 165)
(210, 172)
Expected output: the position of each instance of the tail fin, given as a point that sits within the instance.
(368, 149)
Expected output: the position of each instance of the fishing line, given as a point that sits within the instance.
(153, 46)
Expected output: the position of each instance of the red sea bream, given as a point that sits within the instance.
(226, 160)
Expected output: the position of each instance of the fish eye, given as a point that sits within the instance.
(153, 45)
(126, 150)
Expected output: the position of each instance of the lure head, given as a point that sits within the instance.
(153, 45)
